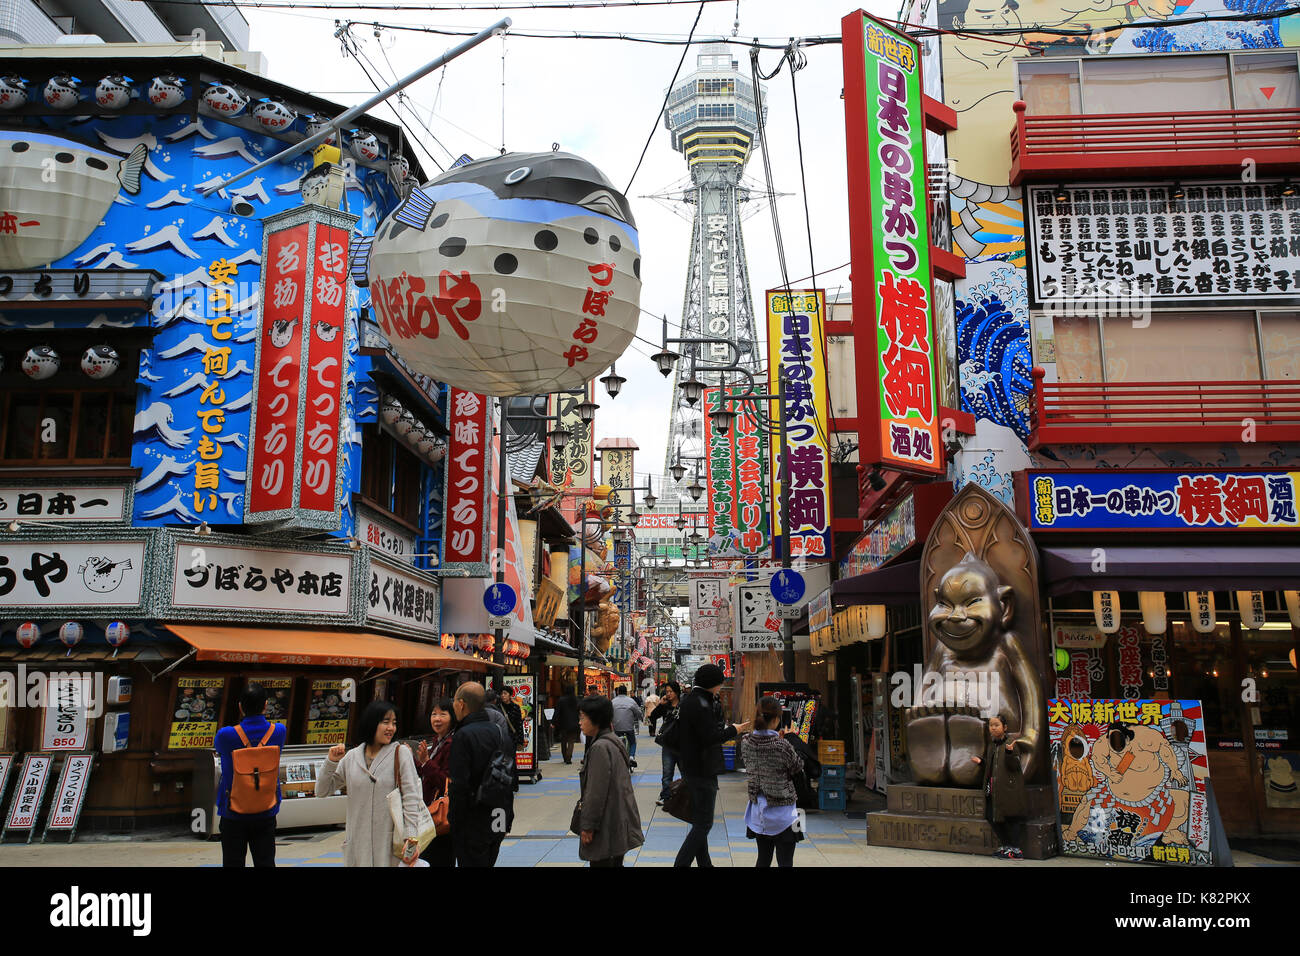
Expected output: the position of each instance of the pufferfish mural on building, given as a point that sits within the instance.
(54, 192)
(515, 275)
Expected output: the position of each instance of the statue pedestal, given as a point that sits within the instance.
(952, 819)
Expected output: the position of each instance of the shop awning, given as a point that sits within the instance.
(892, 585)
(252, 645)
(1138, 568)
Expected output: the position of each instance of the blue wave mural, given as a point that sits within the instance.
(995, 363)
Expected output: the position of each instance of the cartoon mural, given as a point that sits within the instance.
(1131, 779)
(134, 180)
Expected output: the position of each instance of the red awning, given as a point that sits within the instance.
(252, 645)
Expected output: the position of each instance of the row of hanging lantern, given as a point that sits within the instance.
(72, 632)
(424, 441)
(1250, 605)
(41, 362)
(63, 91)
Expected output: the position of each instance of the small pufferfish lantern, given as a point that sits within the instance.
(515, 275)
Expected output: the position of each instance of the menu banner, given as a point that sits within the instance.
(26, 805)
(64, 725)
(195, 712)
(465, 536)
(70, 794)
(327, 713)
(737, 475)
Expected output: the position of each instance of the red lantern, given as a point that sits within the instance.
(117, 633)
(28, 634)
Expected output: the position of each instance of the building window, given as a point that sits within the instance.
(69, 418)
(390, 475)
(1051, 87)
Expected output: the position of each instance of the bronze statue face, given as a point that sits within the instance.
(970, 609)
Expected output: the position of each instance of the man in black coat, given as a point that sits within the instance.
(565, 722)
(476, 830)
(703, 731)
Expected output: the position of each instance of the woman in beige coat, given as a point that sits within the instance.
(367, 771)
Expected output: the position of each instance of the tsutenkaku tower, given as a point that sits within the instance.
(712, 117)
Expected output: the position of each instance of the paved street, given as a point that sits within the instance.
(541, 836)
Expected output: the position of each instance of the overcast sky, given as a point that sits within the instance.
(599, 99)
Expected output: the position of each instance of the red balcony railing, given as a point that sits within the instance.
(1067, 413)
(1117, 145)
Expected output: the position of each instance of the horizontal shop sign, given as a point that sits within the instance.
(63, 503)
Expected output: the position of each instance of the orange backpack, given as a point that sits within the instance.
(257, 773)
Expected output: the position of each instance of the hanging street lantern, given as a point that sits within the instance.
(535, 248)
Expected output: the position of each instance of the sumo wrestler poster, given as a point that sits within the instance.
(1130, 779)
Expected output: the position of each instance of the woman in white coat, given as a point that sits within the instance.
(367, 771)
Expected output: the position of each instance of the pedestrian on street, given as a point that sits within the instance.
(476, 829)
(627, 718)
(668, 710)
(1004, 789)
(244, 832)
(651, 702)
(773, 766)
(609, 823)
(565, 721)
(496, 713)
(514, 716)
(703, 731)
(433, 761)
(370, 771)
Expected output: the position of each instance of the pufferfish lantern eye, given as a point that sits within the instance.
(517, 175)
(603, 202)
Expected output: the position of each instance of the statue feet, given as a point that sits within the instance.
(941, 742)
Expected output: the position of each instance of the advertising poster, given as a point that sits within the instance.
(736, 470)
(327, 713)
(64, 725)
(196, 712)
(1130, 778)
(799, 701)
(1280, 773)
(279, 698)
(523, 687)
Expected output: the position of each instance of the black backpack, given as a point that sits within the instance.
(496, 789)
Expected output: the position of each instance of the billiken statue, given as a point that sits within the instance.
(976, 648)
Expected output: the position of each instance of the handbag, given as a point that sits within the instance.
(575, 822)
(425, 830)
(439, 810)
(678, 803)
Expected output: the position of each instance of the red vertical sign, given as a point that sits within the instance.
(467, 419)
(323, 394)
(279, 356)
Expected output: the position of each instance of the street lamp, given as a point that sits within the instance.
(559, 437)
(666, 360)
(695, 489)
(692, 389)
(721, 419)
(613, 382)
(678, 469)
(587, 411)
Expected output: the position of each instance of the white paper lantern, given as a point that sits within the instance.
(391, 411)
(1250, 604)
(100, 361)
(426, 444)
(1293, 607)
(63, 92)
(223, 100)
(1154, 618)
(315, 124)
(274, 115)
(403, 426)
(114, 92)
(875, 621)
(516, 275)
(1201, 605)
(13, 92)
(167, 91)
(415, 435)
(71, 633)
(365, 145)
(28, 633)
(40, 363)
(1105, 606)
(117, 633)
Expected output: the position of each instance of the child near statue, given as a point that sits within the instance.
(1004, 789)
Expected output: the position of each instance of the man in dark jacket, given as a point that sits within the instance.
(565, 721)
(703, 732)
(476, 830)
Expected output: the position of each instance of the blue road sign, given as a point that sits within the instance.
(787, 586)
(500, 599)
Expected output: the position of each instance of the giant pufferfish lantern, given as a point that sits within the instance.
(515, 275)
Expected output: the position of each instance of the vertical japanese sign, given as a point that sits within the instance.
(295, 446)
(574, 467)
(715, 247)
(26, 806)
(796, 351)
(211, 412)
(65, 726)
(323, 397)
(710, 615)
(525, 698)
(737, 477)
(65, 809)
(464, 531)
(616, 470)
(890, 249)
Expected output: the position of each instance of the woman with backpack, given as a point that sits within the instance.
(433, 758)
(772, 764)
(606, 818)
(370, 771)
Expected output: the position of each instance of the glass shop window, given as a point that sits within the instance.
(1050, 88)
(1270, 660)
(68, 418)
(1176, 84)
(1266, 81)
(1203, 670)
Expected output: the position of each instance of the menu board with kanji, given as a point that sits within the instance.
(327, 713)
(197, 705)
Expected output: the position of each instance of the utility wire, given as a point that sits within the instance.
(403, 99)
(654, 127)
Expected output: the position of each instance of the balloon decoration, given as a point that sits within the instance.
(28, 633)
(515, 275)
(63, 92)
(40, 363)
(391, 411)
(223, 100)
(100, 361)
(274, 116)
(365, 145)
(167, 91)
(117, 633)
(115, 91)
(404, 425)
(314, 124)
(71, 634)
(13, 92)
